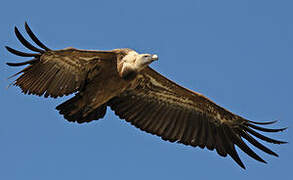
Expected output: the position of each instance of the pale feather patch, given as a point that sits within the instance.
(219, 117)
(130, 57)
(89, 58)
(171, 97)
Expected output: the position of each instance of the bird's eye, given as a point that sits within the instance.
(145, 56)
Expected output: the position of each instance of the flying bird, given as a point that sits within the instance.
(122, 80)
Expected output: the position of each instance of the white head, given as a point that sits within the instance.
(143, 60)
(134, 63)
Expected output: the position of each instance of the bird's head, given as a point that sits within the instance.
(143, 60)
(133, 63)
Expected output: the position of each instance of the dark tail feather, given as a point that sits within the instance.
(74, 110)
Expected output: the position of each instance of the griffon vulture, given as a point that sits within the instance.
(122, 80)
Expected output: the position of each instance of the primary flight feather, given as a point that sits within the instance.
(122, 80)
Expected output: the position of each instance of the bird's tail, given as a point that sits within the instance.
(76, 110)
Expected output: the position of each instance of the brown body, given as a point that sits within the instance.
(122, 80)
(99, 88)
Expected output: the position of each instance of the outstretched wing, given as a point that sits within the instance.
(56, 73)
(161, 107)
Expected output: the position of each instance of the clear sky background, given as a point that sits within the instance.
(238, 53)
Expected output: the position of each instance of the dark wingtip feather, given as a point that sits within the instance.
(19, 53)
(22, 63)
(262, 123)
(265, 129)
(234, 155)
(254, 142)
(34, 38)
(25, 42)
(16, 64)
(243, 146)
(262, 137)
(11, 64)
(231, 148)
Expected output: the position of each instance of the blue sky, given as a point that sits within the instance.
(238, 53)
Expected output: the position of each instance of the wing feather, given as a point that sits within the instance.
(154, 116)
(25, 42)
(161, 107)
(190, 131)
(56, 73)
(157, 124)
(210, 143)
(147, 117)
(143, 114)
(230, 147)
(177, 122)
(44, 81)
(171, 126)
(202, 136)
(34, 38)
(182, 125)
(220, 148)
(22, 54)
(254, 142)
(132, 112)
(264, 129)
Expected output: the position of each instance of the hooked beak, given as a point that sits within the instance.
(155, 57)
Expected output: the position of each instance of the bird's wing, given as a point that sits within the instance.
(161, 107)
(56, 73)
